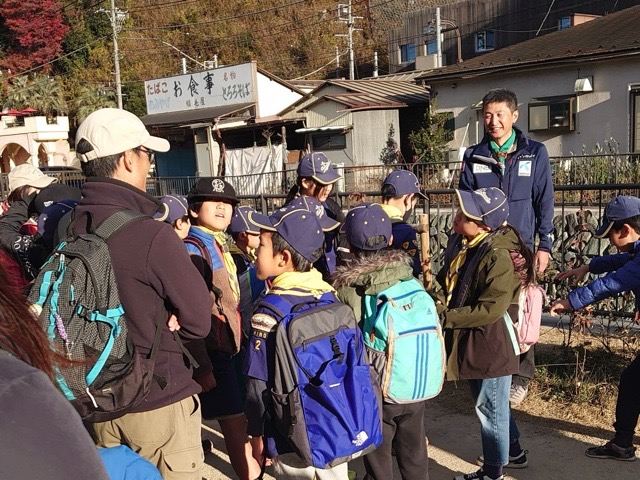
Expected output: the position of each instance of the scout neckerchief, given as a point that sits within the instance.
(501, 151)
(230, 266)
(458, 262)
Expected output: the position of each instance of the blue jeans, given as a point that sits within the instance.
(497, 427)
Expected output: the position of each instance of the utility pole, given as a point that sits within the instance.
(345, 14)
(116, 18)
(116, 54)
(375, 64)
(337, 62)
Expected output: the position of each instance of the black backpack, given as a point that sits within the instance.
(81, 312)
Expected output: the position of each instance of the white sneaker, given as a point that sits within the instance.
(517, 394)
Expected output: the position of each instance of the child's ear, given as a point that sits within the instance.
(625, 230)
(285, 258)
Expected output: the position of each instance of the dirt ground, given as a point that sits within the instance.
(555, 435)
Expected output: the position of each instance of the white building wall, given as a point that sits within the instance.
(273, 97)
(601, 115)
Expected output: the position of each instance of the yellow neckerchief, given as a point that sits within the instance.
(458, 262)
(229, 265)
(300, 284)
(394, 213)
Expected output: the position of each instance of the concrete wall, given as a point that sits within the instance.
(603, 114)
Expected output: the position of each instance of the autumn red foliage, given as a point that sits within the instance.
(35, 31)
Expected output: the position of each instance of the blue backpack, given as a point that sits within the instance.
(325, 399)
(404, 342)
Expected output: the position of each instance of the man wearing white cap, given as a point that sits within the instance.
(155, 279)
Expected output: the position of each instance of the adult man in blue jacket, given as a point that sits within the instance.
(506, 158)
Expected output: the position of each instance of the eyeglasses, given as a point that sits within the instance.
(150, 154)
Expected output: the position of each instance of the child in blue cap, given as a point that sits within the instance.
(480, 283)
(291, 241)
(621, 225)
(374, 269)
(315, 181)
(400, 193)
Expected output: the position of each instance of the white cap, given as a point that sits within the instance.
(28, 174)
(111, 131)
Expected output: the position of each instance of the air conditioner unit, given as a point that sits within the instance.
(426, 62)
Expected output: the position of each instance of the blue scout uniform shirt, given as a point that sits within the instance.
(623, 275)
(526, 182)
(259, 365)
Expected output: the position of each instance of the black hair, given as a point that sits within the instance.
(388, 192)
(633, 222)
(196, 207)
(297, 188)
(100, 167)
(300, 264)
(500, 95)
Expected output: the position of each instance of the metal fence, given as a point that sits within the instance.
(583, 184)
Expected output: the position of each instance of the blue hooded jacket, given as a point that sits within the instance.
(526, 182)
(624, 275)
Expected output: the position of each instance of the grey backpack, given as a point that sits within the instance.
(84, 319)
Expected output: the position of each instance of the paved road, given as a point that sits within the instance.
(556, 448)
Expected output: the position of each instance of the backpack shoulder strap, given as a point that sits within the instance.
(277, 304)
(202, 248)
(115, 222)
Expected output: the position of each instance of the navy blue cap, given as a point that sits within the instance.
(620, 208)
(403, 182)
(299, 228)
(242, 222)
(316, 165)
(50, 225)
(486, 205)
(175, 207)
(211, 188)
(368, 227)
(314, 206)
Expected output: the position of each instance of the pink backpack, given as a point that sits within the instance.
(532, 298)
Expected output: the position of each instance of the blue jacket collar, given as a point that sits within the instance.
(523, 144)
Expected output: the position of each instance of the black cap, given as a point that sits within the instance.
(212, 188)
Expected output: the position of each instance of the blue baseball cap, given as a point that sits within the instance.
(299, 228)
(368, 227)
(620, 208)
(175, 207)
(314, 206)
(316, 165)
(486, 205)
(403, 182)
(242, 222)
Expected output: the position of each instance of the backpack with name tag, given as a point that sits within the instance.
(80, 310)
(404, 342)
(325, 399)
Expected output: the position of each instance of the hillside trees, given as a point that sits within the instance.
(34, 33)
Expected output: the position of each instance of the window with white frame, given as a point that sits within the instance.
(635, 118)
(408, 52)
(564, 22)
(555, 115)
(485, 41)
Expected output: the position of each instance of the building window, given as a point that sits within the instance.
(485, 41)
(635, 119)
(564, 23)
(432, 47)
(329, 141)
(553, 116)
(408, 53)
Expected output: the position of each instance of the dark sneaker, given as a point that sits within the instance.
(519, 461)
(479, 475)
(613, 451)
(207, 446)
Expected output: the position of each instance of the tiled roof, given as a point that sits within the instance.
(616, 34)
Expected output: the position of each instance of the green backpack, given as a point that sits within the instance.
(404, 342)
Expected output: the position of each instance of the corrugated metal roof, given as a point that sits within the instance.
(616, 34)
(363, 100)
(385, 91)
(401, 76)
